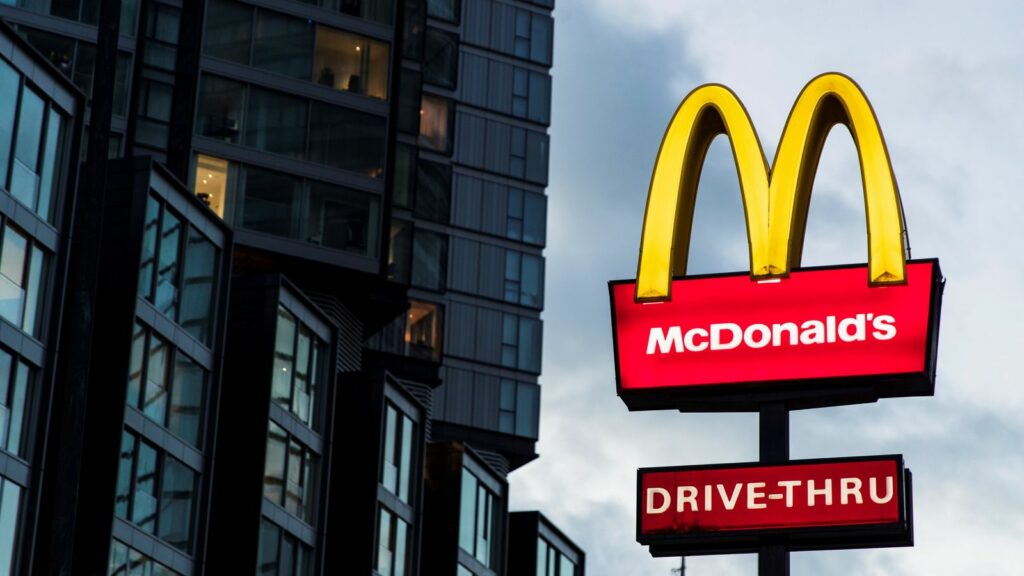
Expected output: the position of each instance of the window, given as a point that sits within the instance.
(533, 36)
(429, 260)
(521, 343)
(178, 274)
(392, 545)
(282, 44)
(550, 562)
(441, 58)
(167, 386)
(519, 408)
(347, 139)
(220, 108)
(156, 492)
(22, 276)
(298, 368)
(125, 561)
(10, 507)
(281, 554)
(396, 473)
(477, 519)
(423, 335)
(14, 383)
(433, 191)
(345, 61)
(434, 123)
(447, 10)
(524, 279)
(276, 122)
(289, 477)
(10, 82)
(527, 216)
(531, 95)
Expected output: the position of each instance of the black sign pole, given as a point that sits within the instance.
(773, 557)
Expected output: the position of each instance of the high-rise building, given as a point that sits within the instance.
(275, 279)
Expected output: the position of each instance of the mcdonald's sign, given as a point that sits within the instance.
(806, 336)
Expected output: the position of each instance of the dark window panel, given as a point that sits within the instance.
(404, 182)
(283, 44)
(415, 23)
(433, 191)
(347, 139)
(220, 108)
(441, 59)
(400, 252)
(343, 219)
(447, 10)
(409, 102)
(430, 258)
(276, 122)
(228, 33)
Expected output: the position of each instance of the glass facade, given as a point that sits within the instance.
(551, 562)
(178, 274)
(10, 513)
(477, 520)
(166, 385)
(281, 205)
(127, 561)
(156, 492)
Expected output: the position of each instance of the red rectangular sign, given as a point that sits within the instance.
(735, 501)
(815, 325)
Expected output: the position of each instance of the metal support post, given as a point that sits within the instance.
(773, 558)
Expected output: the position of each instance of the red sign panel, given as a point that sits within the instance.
(817, 324)
(765, 499)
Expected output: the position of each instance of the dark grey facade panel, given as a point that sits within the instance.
(457, 394)
(494, 218)
(476, 21)
(499, 86)
(461, 330)
(462, 269)
(492, 271)
(503, 23)
(467, 196)
(470, 138)
(497, 147)
(488, 335)
(474, 85)
(486, 396)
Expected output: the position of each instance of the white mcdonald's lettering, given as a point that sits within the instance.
(758, 496)
(727, 335)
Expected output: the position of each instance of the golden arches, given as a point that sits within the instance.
(776, 202)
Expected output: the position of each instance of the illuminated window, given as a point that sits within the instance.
(423, 330)
(345, 61)
(211, 182)
(434, 123)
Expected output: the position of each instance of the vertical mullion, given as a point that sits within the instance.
(14, 135)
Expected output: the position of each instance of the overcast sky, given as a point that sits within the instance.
(947, 84)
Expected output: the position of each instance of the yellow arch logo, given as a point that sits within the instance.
(775, 202)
